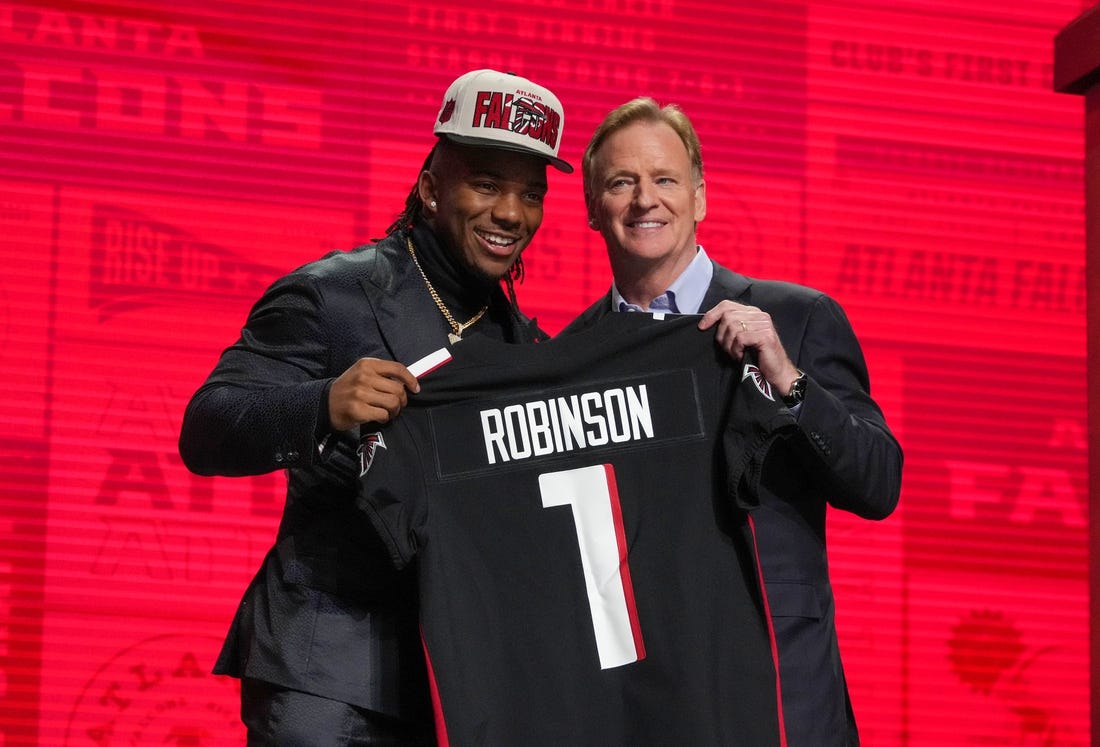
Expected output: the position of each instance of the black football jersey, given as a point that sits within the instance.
(576, 511)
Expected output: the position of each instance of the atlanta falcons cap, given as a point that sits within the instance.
(503, 110)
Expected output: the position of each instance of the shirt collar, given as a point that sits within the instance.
(684, 296)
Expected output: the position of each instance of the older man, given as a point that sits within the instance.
(645, 194)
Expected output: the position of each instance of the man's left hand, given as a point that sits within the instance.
(740, 327)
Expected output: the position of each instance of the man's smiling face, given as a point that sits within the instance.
(488, 204)
(644, 198)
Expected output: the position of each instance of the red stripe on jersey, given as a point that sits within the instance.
(437, 707)
(771, 635)
(624, 565)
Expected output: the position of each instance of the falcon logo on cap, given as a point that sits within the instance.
(529, 118)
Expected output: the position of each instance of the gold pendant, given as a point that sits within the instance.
(453, 337)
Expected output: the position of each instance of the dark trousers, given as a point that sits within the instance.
(279, 717)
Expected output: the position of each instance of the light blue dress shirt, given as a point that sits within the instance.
(684, 296)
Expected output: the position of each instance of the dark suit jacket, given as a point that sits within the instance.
(845, 456)
(324, 614)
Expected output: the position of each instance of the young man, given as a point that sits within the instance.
(325, 639)
(645, 194)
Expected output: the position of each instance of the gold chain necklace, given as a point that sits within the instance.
(456, 335)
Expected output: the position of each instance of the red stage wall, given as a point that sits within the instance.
(160, 165)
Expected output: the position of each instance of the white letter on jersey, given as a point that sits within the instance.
(493, 429)
(641, 422)
(542, 439)
(594, 497)
(519, 439)
(592, 409)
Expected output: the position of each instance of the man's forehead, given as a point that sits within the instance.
(502, 163)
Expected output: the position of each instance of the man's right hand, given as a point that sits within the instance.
(370, 391)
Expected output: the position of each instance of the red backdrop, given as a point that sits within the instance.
(159, 167)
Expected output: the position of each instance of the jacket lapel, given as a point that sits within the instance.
(725, 284)
(590, 316)
(401, 303)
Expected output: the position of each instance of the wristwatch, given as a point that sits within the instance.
(798, 391)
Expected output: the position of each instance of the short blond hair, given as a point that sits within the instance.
(642, 109)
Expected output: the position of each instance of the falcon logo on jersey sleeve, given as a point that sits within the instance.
(758, 380)
(368, 445)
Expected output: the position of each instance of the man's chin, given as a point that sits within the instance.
(492, 271)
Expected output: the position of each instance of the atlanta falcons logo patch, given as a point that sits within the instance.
(368, 445)
(758, 380)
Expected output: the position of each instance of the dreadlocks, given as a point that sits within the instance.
(414, 207)
(413, 203)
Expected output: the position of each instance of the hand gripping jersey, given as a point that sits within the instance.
(576, 510)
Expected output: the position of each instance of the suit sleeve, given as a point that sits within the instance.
(258, 410)
(392, 491)
(845, 430)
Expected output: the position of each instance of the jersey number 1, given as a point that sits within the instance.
(594, 498)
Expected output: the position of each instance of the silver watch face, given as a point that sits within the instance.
(798, 391)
